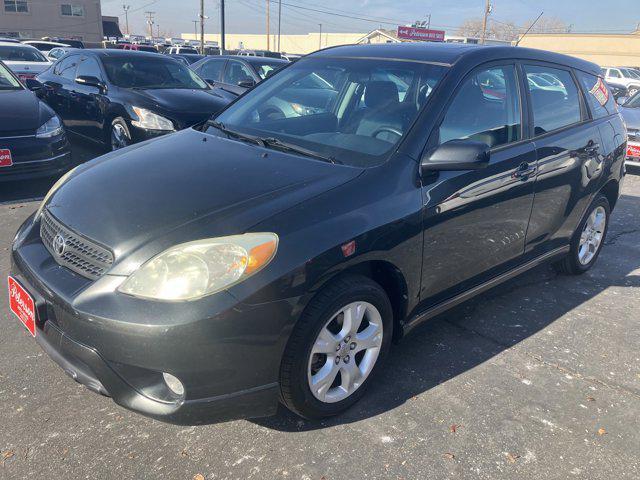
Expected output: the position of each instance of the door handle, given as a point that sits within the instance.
(524, 171)
(592, 148)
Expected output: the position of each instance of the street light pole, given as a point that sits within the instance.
(195, 29)
(222, 44)
(320, 37)
(279, 22)
(268, 25)
(201, 27)
(126, 16)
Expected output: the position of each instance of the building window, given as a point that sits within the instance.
(16, 6)
(69, 10)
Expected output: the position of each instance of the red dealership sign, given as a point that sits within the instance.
(424, 34)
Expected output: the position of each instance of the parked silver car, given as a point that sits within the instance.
(631, 114)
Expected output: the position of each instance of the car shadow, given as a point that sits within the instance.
(467, 336)
(19, 191)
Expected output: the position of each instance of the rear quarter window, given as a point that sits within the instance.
(599, 97)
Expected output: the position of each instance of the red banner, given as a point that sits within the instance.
(424, 34)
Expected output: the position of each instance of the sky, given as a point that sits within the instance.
(249, 16)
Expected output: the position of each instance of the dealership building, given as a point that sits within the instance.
(603, 49)
(77, 19)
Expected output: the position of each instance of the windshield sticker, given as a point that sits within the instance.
(601, 92)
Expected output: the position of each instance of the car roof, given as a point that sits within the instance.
(117, 52)
(451, 53)
(46, 42)
(13, 44)
(248, 59)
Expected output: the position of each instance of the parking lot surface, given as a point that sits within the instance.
(537, 378)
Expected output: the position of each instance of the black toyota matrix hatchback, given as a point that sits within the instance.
(213, 273)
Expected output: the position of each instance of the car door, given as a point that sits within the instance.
(87, 111)
(570, 160)
(211, 70)
(58, 88)
(475, 221)
(234, 73)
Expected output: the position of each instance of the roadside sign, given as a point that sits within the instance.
(424, 34)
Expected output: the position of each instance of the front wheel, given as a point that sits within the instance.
(336, 348)
(588, 239)
(120, 136)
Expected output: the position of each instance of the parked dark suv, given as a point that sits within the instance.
(215, 272)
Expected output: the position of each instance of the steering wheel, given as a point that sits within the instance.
(380, 130)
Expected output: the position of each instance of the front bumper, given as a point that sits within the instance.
(227, 360)
(35, 158)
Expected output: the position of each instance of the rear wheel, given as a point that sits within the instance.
(336, 348)
(588, 239)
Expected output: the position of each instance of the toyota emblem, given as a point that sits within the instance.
(59, 245)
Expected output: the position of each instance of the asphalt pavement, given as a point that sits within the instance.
(538, 378)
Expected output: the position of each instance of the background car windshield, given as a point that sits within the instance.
(153, 72)
(353, 110)
(8, 81)
(633, 102)
(263, 69)
(9, 53)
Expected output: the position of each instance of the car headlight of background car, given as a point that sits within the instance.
(195, 269)
(148, 120)
(51, 128)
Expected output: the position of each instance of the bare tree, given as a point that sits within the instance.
(472, 27)
(548, 25)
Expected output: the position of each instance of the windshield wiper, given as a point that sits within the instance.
(278, 144)
(232, 133)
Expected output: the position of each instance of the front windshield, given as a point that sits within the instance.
(8, 81)
(353, 110)
(151, 72)
(20, 53)
(627, 73)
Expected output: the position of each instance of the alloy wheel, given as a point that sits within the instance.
(345, 352)
(592, 235)
(119, 137)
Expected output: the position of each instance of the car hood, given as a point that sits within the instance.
(22, 111)
(182, 187)
(187, 106)
(631, 117)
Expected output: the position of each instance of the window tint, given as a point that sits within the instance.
(89, 68)
(211, 69)
(66, 67)
(598, 95)
(554, 97)
(150, 71)
(486, 109)
(20, 53)
(614, 73)
(236, 72)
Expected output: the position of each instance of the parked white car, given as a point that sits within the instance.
(45, 46)
(24, 60)
(182, 50)
(625, 77)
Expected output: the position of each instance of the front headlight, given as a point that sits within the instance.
(51, 191)
(193, 270)
(150, 121)
(51, 128)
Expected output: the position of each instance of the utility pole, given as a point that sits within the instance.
(222, 44)
(280, 21)
(158, 29)
(195, 30)
(429, 22)
(150, 22)
(268, 24)
(487, 11)
(320, 37)
(201, 27)
(126, 16)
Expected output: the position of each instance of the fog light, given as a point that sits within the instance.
(173, 383)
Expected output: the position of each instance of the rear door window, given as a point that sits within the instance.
(211, 69)
(555, 98)
(236, 72)
(486, 108)
(89, 68)
(66, 68)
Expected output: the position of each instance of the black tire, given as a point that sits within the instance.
(571, 265)
(120, 124)
(294, 386)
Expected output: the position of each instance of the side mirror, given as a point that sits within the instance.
(457, 155)
(33, 84)
(91, 81)
(248, 83)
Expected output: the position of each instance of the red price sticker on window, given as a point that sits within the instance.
(601, 92)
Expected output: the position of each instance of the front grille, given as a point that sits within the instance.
(79, 254)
